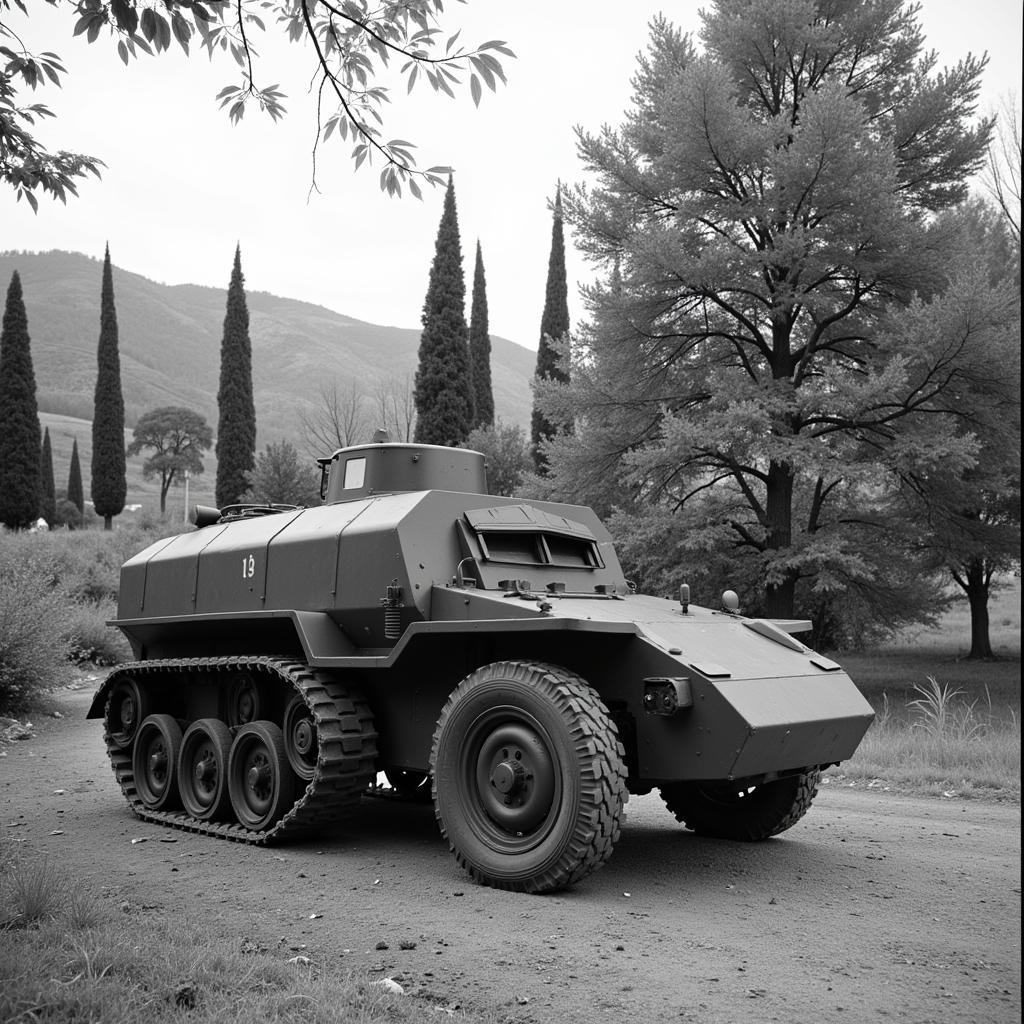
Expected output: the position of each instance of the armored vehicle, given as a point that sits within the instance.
(485, 652)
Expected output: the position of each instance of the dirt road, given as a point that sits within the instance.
(873, 908)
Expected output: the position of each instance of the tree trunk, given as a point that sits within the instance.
(780, 596)
(977, 591)
(108, 522)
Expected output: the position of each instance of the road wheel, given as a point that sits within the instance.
(529, 779)
(154, 762)
(127, 707)
(203, 770)
(301, 743)
(260, 779)
(738, 810)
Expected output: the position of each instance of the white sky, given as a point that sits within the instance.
(182, 185)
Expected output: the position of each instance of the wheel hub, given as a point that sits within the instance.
(128, 713)
(246, 706)
(205, 769)
(303, 736)
(258, 777)
(509, 777)
(158, 762)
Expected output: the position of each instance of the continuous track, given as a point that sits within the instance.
(345, 765)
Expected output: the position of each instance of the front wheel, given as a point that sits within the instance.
(737, 809)
(529, 781)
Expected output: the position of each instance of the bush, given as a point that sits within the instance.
(91, 639)
(34, 648)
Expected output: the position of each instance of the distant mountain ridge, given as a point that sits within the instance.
(169, 340)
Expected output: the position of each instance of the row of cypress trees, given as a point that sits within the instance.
(453, 392)
(27, 487)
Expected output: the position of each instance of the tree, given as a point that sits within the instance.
(109, 485)
(554, 328)
(236, 425)
(177, 438)
(1002, 173)
(480, 347)
(337, 419)
(20, 439)
(789, 328)
(395, 404)
(507, 455)
(48, 504)
(352, 43)
(281, 477)
(444, 395)
(76, 495)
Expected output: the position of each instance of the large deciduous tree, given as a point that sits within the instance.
(351, 43)
(480, 347)
(109, 486)
(554, 330)
(786, 325)
(48, 502)
(236, 424)
(21, 486)
(177, 438)
(444, 391)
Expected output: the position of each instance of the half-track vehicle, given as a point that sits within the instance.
(484, 652)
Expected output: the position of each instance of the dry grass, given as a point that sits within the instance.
(77, 958)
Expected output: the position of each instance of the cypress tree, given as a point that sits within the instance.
(480, 348)
(444, 390)
(554, 324)
(21, 486)
(48, 504)
(236, 424)
(109, 481)
(75, 493)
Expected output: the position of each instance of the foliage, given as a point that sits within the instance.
(480, 347)
(177, 437)
(20, 437)
(782, 331)
(443, 391)
(281, 477)
(507, 455)
(554, 328)
(48, 505)
(352, 42)
(109, 485)
(33, 653)
(75, 493)
(236, 425)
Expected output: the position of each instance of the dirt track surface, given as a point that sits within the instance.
(873, 908)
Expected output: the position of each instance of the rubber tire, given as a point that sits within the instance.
(736, 810)
(261, 742)
(303, 764)
(213, 733)
(165, 731)
(129, 688)
(577, 833)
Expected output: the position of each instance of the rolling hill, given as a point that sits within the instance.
(169, 337)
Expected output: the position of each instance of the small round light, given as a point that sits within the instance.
(731, 601)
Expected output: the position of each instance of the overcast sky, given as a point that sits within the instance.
(182, 185)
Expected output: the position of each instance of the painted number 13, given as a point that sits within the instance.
(248, 567)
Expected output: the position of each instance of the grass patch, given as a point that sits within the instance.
(78, 958)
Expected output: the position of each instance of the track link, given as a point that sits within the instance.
(345, 764)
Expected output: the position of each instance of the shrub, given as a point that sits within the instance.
(33, 641)
(91, 639)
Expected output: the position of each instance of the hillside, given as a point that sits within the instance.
(170, 346)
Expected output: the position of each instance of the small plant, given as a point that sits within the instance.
(35, 891)
(939, 714)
